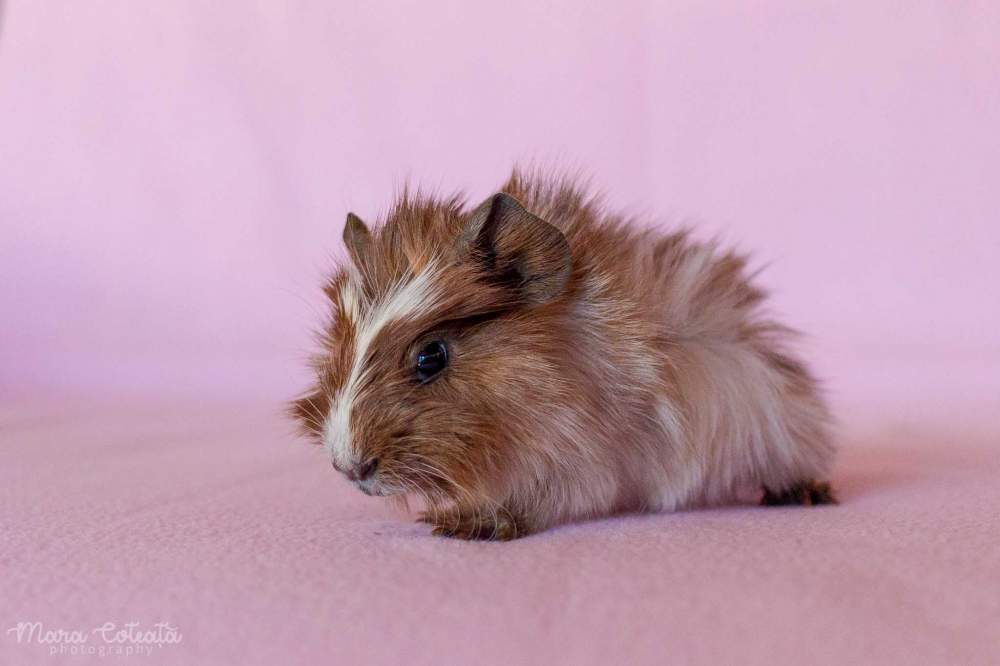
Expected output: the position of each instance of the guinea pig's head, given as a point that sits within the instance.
(441, 326)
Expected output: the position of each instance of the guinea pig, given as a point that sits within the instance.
(537, 359)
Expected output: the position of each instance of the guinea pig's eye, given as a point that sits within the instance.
(431, 360)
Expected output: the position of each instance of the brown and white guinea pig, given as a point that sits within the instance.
(537, 360)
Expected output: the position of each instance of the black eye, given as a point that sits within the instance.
(431, 360)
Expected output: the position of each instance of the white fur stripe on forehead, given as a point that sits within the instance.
(412, 294)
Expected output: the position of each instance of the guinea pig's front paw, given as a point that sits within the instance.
(478, 525)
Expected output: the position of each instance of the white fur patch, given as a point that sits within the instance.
(350, 299)
(404, 298)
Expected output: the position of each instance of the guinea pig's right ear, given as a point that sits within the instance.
(356, 236)
(517, 248)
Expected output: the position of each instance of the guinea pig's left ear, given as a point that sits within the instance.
(518, 247)
(356, 236)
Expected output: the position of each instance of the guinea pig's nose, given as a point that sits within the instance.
(362, 471)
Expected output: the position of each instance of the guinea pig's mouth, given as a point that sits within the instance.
(367, 478)
(369, 487)
(373, 488)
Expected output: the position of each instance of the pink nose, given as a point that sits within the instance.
(362, 471)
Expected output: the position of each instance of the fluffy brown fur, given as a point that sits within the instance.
(593, 367)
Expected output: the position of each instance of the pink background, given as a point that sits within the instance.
(173, 181)
(175, 175)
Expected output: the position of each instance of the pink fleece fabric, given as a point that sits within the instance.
(209, 517)
(173, 180)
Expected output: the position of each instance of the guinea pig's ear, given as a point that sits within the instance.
(518, 247)
(356, 236)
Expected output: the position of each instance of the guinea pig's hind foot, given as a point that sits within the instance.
(804, 493)
(475, 525)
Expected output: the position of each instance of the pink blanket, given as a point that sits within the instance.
(209, 517)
